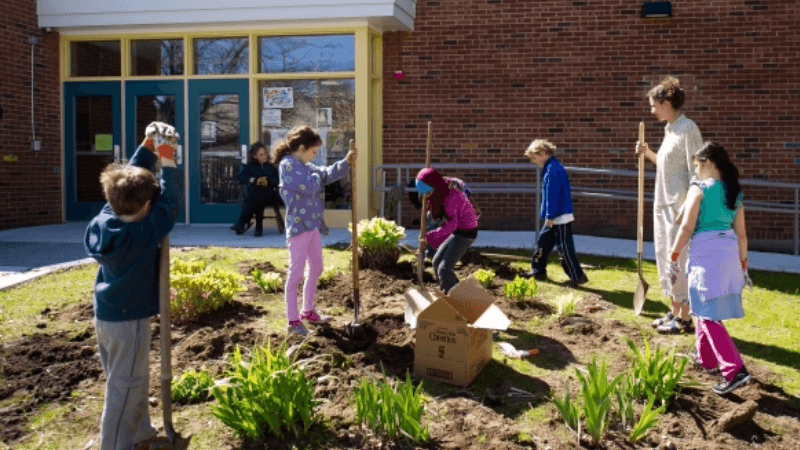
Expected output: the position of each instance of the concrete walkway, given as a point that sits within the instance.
(27, 253)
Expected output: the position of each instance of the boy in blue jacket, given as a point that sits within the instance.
(124, 239)
(556, 210)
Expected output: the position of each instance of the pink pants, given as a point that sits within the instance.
(302, 248)
(715, 348)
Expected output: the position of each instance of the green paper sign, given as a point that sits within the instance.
(103, 142)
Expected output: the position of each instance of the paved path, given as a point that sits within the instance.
(27, 253)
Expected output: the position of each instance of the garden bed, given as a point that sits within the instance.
(490, 413)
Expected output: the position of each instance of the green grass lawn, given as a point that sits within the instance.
(768, 335)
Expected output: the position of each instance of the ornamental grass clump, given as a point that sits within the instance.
(327, 276)
(378, 241)
(520, 289)
(654, 374)
(197, 290)
(268, 394)
(269, 282)
(396, 411)
(485, 277)
(566, 305)
(597, 394)
(191, 387)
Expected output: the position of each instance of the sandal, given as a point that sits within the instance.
(662, 320)
(676, 326)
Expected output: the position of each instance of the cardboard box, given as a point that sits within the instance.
(453, 331)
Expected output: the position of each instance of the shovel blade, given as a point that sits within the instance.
(639, 297)
(355, 331)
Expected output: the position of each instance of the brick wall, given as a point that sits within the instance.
(30, 187)
(494, 74)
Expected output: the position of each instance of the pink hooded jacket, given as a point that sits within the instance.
(460, 213)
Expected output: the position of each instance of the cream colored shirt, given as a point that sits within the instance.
(674, 169)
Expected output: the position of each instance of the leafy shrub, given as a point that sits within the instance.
(566, 305)
(654, 374)
(485, 277)
(520, 289)
(597, 394)
(197, 289)
(268, 282)
(269, 393)
(191, 387)
(395, 410)
(327, 276)
(378, 239)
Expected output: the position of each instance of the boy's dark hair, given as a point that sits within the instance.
(301, 135)
(127, 188)
(669, 89)
(717, 154)
(254, 148)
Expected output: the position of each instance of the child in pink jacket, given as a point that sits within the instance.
(460, 229)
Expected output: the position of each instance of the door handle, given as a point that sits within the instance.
(179, 155)
(244, 154)
(116, 154)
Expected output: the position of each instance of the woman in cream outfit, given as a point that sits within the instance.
(674, 169)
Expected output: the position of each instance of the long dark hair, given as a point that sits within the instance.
(669, 89)
(728, 171)
(254, 148)
(300, 135)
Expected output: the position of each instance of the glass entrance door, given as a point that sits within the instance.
(218, 124)
(92, 140)
(148, 101)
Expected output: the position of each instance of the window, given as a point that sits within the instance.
(290, 54)
(221, 56)
(327, 105)
(95, 59)
(157, 57)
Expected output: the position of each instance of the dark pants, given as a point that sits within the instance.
(560, 238)
(446, 257)
(255, 201)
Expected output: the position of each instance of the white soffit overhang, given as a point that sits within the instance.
(154, 15)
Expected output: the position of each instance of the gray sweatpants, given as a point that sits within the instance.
(124, 354)
(446, 257)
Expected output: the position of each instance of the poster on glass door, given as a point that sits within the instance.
(278, 97)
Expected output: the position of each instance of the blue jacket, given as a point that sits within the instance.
(126, 287)
(556, 196)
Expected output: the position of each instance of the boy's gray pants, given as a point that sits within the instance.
(124, 354)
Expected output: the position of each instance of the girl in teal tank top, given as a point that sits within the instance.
(713, 226)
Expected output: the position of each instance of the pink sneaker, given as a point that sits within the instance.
(315, 319)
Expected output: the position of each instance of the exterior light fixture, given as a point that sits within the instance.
(399, 75)
(656, 10)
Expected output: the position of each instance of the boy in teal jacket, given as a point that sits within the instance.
(124, 239)
(556, 210)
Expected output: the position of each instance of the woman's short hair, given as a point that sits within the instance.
(541, 147)
(668, 90)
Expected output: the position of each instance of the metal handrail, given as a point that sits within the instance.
(403, 174)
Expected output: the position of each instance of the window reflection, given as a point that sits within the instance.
(95, 59)
(157, 57)
(93, 118)
(307, 54)
(325, 105)
(219, 148)
(220, 56)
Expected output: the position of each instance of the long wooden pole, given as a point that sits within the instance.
(165, 337)
(354, 245)
(423, 210)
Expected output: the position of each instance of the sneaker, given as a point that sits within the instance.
(579, 281)
(694, 358)
(241, 229)
(675, 326)
(687, 325)
(315, 319)
(297, 327)
(740, 379)
(662, 320)
(541, 276)
(258, 233)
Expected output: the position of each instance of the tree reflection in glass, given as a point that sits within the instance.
(221, 56)
(219, 148)
(334, 53)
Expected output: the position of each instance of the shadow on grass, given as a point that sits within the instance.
(786, 283)
(777, 355)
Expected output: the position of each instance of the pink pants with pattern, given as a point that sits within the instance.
(302, 248)
(716, 349)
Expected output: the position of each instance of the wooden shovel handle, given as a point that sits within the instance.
(354, 218)
(640, 207)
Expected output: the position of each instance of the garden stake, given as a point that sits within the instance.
(176, 440)
(641, 291)
(354, 329)
(423, 212)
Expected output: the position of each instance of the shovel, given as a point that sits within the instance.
(354, 329)
(423, 211)
(641, 291)
(176, 440)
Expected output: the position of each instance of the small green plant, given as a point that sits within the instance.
(197, 290)
(378, 241)
(566, 305)
(647, 420)
(269, 393)
(268, 282)
(485, 277)
(597, 393)
(654, 373)
(520, 289)
(327, 276)
(395, 410)
(191, 387)
(569, 410)
(624, 403)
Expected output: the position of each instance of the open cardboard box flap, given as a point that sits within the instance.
(466, 302)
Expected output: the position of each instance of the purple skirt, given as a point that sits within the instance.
(715, 276)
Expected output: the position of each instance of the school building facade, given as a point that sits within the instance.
(80, 81)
